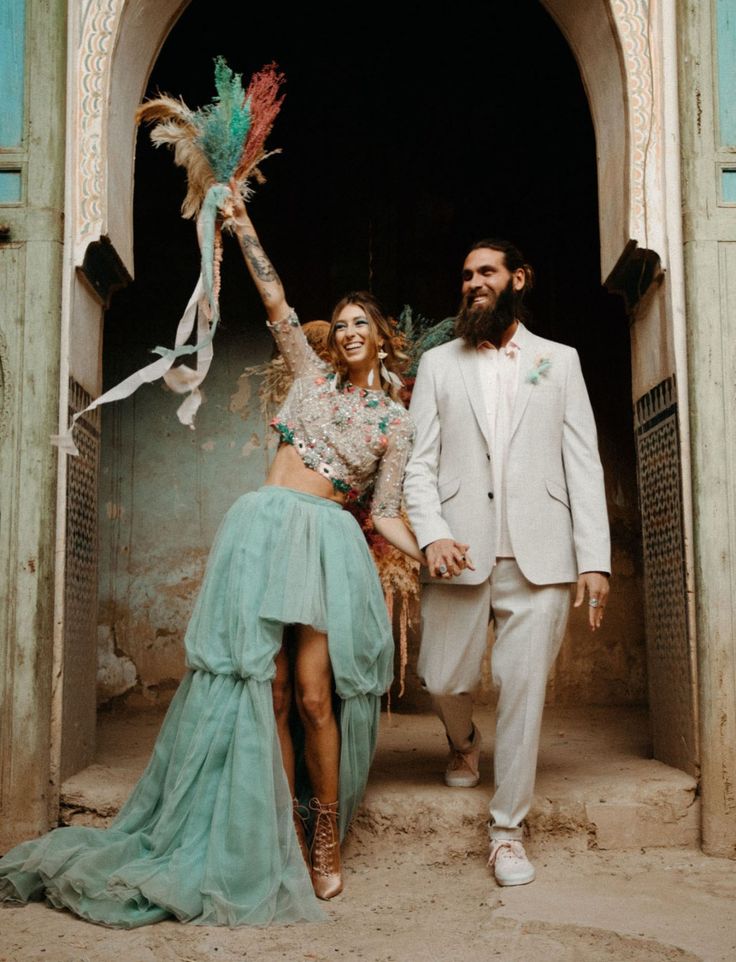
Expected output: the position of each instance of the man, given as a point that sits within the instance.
(505, 492)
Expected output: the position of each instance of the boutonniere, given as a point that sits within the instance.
(541, 366)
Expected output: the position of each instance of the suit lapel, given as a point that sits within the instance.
(532, 349)
(523, 393)
(468, 364)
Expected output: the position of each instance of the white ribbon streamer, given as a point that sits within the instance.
(184, 378)
(189, 379)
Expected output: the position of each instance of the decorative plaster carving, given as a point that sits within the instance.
(99, 21)
(631, 18)
(93, 57)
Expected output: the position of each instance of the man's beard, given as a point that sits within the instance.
(487, 323)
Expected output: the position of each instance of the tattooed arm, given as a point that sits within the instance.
(261, 270)
(282, 320)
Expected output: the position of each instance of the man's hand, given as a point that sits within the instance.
(447, 558)
(596, 584)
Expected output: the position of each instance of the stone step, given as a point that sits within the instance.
(597, 786)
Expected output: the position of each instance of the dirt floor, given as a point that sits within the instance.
(405, 902)
(417, 887)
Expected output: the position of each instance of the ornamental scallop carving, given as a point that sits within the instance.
(97, 27)
(98, 24)
(632, 24)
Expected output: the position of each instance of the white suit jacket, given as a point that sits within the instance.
(555, 497)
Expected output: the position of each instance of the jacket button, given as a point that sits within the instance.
(488, 456)
(490, 495)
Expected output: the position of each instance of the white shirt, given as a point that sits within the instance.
(499, 377)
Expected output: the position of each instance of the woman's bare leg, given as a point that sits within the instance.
(313, 677)
(281, 689)
(313, 680)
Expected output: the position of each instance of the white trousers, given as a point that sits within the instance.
(529, 624)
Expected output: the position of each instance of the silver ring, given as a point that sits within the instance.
(594, 602)
(442, 569)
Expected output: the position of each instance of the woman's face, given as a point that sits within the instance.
(355, 337)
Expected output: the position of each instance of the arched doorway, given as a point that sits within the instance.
(136, 44)
(390, 169)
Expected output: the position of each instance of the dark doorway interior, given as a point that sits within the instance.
(400, 148)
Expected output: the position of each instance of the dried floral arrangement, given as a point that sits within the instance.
(221, 147)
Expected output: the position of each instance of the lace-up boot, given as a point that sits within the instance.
(326, 868)
(301, 815)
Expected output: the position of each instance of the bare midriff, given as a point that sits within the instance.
(289, 471)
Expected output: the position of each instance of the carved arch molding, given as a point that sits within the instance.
(117, 42)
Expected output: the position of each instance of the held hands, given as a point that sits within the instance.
(596, 584)
(447, 558)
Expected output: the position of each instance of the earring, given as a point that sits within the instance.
(386, 374)
(380, 354)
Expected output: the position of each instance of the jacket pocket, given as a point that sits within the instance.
(558, 492)
(447, 489)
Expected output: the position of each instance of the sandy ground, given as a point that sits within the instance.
(417, 887)
(409, 902)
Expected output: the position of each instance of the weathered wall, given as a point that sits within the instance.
(163, 493)
(32, 54)
(707, 48)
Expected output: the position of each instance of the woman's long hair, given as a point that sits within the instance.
(382, 332)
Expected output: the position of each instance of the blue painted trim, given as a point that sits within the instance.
(726, 40)
(12, 71)
(728, 186)
(11, 187)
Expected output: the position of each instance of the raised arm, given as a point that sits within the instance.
(259, 266)
(282, 320)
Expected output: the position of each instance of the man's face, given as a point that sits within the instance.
(490, 297)
(485, 277)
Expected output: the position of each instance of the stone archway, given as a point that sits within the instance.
(619, 46)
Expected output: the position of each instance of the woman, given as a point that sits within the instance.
(213, 832)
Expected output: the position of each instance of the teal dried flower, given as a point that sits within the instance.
(223, 125)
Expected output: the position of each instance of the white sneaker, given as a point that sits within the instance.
(509, 862)
(463, 768)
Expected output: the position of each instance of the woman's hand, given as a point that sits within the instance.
(397, 533)
(235, 211)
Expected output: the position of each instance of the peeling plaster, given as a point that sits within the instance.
(252, 445)
(116, 673)
(163, 496)
(240, 400)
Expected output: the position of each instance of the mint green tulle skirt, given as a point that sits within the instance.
(207, 835)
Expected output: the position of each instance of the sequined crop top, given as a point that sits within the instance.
(353, 436)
